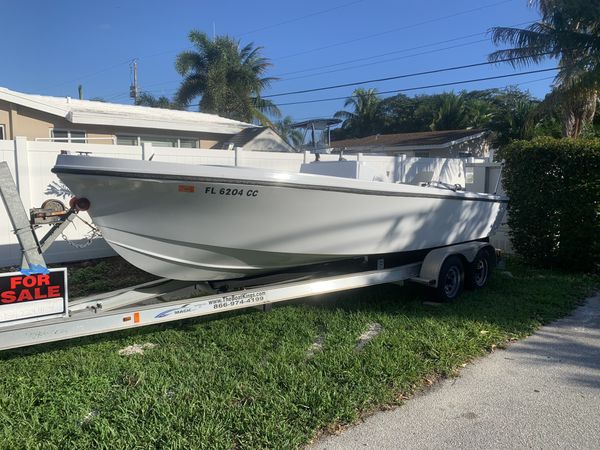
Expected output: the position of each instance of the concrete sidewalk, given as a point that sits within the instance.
(543, 392)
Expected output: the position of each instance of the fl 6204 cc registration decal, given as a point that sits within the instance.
(231, 192)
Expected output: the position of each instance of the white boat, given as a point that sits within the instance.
(196, 222)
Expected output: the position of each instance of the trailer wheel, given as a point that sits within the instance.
(451, 279)
(479, 271)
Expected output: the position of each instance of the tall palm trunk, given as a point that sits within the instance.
(578, 110)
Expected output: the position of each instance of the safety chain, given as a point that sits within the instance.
(90, 236)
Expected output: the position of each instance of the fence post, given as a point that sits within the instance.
(402, 178)
(22, 170)
(147, 150)
(358, 161)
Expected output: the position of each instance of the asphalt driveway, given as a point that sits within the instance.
(543, 392)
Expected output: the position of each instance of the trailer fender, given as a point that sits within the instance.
(430, 269)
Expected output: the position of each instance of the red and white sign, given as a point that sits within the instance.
(25, 298)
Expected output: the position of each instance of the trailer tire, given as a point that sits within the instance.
(479, 271)
(451, 279)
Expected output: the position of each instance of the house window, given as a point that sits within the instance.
(157, 141)
(188, 143)
(2, 135)
(68, 136)
(127, 140)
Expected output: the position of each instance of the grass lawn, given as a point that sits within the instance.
(263, 380)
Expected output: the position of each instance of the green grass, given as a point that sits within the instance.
(107, 274)
(246, 379)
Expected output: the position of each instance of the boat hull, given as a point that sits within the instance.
(207, 223)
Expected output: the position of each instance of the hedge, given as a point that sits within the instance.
(554, 208)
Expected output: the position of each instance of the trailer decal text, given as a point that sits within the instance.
(226, 301)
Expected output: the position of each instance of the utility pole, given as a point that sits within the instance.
(134, 88)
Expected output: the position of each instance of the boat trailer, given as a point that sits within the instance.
(446, 270)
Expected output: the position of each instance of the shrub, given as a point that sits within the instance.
(554, 209)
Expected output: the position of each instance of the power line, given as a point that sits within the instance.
(386, 60)
(172, 91)
(511, 85)
(316, 13)
(350, 61)
(416, 88)
(393, 30)
(396, 77)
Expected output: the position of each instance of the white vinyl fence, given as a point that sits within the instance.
(30, 163)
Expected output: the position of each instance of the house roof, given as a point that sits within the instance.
(245, 136)
(113, 114)
(248, 135)
(425, 139)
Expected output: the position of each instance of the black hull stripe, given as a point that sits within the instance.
(201, 179)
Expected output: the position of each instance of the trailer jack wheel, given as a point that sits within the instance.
(451, 279)
(479, 271)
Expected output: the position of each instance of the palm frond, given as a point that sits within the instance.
(191, 87)
(266, 106)
(187, 61)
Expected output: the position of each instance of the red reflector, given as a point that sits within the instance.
(186, 188)
(80, 204)
(83, 204)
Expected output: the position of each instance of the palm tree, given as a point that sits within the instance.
(363, 120)
(516, 120)
(480, 112)
(567, 31)
(228, 78)
(292, 136)
(451, 114)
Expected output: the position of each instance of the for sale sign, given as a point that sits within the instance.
(26, 297)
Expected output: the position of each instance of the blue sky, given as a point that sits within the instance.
(66, 43)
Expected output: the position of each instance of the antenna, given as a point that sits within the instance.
(134, 88)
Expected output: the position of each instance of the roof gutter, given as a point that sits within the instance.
(17, 99)
(421, 146)
(78, 117)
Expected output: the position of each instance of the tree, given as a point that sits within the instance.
(480, 112)
(228, 78)
(398, 115)
(292, 136)
(568, 31)
(364, 117)
(451, 113)
(146, 99)
(515, 122)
